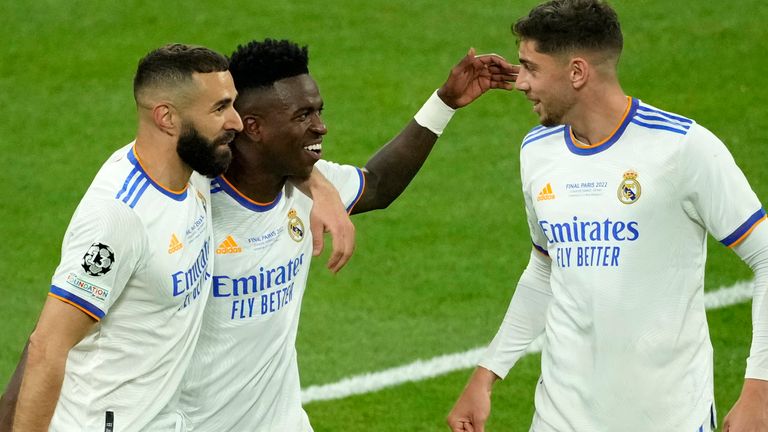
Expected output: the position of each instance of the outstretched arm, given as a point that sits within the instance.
(393, 167)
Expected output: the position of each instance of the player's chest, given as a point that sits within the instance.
(596, 187)
(180, 260)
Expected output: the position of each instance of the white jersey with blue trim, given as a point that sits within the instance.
(244, 375)
(137, 258)
(625, 222)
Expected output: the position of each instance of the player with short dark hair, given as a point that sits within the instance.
(620, 196)
(124, 310)
(244, 375)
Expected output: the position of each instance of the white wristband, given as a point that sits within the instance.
(434, 114)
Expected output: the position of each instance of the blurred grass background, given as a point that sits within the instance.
(432, 274)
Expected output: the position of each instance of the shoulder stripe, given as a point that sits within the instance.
(543, 134)
(139, 180)
(665, 127)
(657, 118)
(139, 194)
(673, 117)
(67, 297)
(127, 182)
(744, 229)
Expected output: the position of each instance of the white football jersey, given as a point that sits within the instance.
(137, 258)
(624, 222)
(244, 375)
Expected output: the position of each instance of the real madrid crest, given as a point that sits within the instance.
(295, 226)
(629, 188)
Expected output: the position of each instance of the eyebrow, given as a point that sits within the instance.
(224, 102)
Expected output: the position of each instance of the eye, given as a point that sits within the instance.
(303, 116)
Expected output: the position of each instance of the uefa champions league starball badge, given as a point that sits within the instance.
(98, 260)
(629, 188)
(295, 226)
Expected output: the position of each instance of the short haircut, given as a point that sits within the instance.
(261, 63)
(173, 65)
(560, 26)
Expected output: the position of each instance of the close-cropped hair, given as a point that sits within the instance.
(173, 64)
(262, 63)
(560, 26)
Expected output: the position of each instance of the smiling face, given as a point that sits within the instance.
(545, 80)
(285, 123)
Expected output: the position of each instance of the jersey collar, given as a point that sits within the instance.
(580, 149)
(133, 157)
(243, 200)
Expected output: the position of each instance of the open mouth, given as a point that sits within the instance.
(315, 149)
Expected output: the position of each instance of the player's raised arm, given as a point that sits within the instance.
(393, 167)
(61, 327)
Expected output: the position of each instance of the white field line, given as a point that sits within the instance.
(444, 364)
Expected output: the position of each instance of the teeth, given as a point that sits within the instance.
(314, 147)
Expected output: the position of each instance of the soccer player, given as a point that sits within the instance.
(244, 375)
(620, 196)
(123, 315)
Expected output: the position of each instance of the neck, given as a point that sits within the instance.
(599, 114)
(158, 156)
(253, 176)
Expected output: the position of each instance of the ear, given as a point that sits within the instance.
(253, 127)
(579, 72)
(166, 119)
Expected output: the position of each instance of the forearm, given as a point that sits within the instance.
(525, 318)
(754, 251)
(391, 169)
(315, 184)
(40, 387)
(11, 395)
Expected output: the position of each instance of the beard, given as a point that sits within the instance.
(208, 157)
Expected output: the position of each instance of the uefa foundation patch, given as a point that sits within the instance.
(96, 292)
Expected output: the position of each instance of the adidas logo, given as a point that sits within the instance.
(228, 246)
(175, 245)
(546, 193)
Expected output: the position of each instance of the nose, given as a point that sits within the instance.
(234, 122)
(318, 125)
(521, 83)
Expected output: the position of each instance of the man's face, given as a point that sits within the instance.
(209, 124)
(292, 129)
(545, 81)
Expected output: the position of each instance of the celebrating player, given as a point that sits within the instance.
(120, 324)
(244, 375)
(620, 196)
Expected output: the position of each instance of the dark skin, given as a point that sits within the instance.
(281, 121)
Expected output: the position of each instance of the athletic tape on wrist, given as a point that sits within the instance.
(434, 114)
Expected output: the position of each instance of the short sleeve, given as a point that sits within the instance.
(717, 194)
(100, 252)
(347, 179)
(539, 240)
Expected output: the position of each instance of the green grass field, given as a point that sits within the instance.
(432, 274)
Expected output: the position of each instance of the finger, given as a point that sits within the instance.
(343, 247)
(504, 68)
(502, 85)
(317, 239)
(490, 57)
